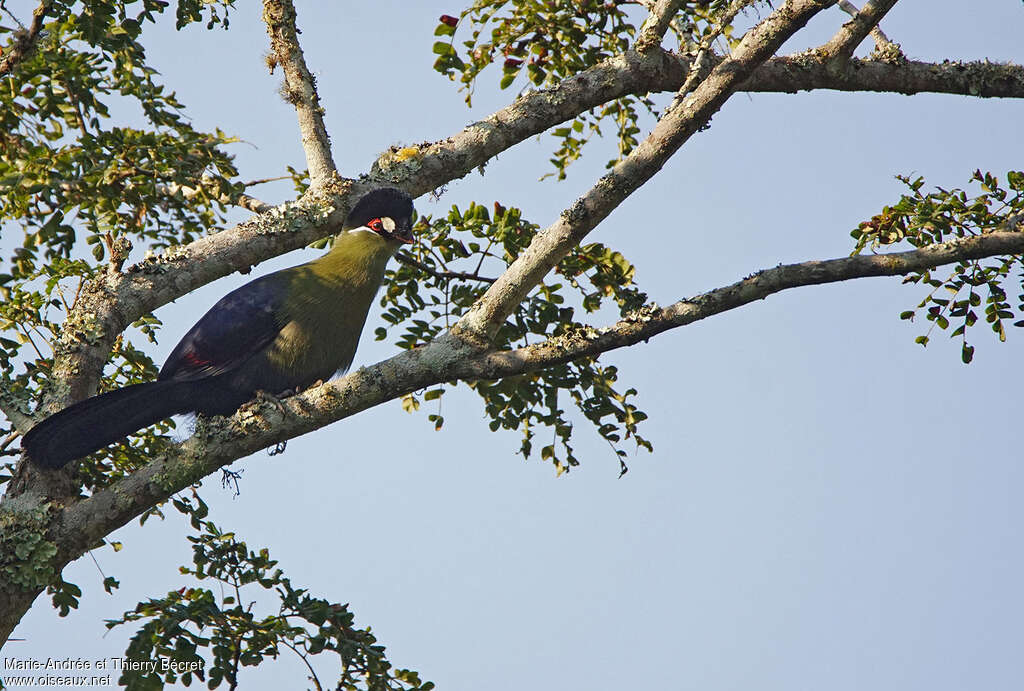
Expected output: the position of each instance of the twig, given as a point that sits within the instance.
(300, 88)
(171, 189)
(252, 204)
(8, 439)
(302, 656)
(452, 275)
(261, 181)
(24, 40)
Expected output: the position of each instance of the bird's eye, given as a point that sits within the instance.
(375, 225)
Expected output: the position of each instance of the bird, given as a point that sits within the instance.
(276, 335)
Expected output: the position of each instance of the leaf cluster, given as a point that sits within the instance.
(547, 41)
(79, 180)
(972, 288)
(211, 637)
(449, 272)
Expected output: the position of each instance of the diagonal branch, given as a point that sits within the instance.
(300, 88)
(25, 39)
(840, 48)
(632, 73)
(676, 126)
(84, 522)
(12, 409)
(646, 323)
(882, 41)
(656, 24)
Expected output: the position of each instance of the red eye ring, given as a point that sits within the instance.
(375, 225)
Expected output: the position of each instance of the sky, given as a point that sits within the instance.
(828, 504)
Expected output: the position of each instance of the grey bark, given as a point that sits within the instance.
(46, 503)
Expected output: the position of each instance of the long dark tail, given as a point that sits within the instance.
(91, 424)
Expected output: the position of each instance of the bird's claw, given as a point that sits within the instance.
(264, 397)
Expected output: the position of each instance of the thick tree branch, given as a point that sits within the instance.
(676, 126)
(12, 409)
(445, 359)
(632, 73)
(243, 201)
(300, 88)
(853, 33)
(24, 40)
(656, 24)
(882, 41)
(806, 72)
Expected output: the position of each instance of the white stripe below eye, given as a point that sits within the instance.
(389, 224)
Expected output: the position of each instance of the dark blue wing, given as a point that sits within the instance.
(240, 325)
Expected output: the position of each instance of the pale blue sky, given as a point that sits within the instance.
(829, 506)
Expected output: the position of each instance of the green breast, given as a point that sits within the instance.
(326, 307)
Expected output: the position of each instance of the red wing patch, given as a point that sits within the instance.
(194, 360)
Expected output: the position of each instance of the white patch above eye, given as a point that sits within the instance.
(388, 223)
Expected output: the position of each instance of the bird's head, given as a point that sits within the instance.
(387, 212)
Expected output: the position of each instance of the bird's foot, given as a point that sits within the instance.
(299, 389)
(264, 397)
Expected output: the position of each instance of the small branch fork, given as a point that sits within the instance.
(450, 275)
(853, 33)
(654, 27)
(300, 88)
(882, 41)
(673, 129)
(25, 39)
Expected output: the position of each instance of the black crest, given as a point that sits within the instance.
(387, 201)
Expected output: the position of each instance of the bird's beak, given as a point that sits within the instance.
(404, 235)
